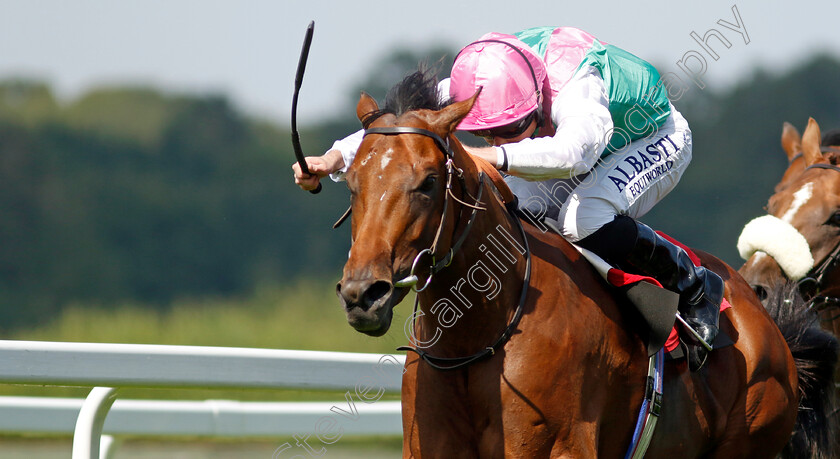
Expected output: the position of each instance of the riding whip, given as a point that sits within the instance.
(304, 54)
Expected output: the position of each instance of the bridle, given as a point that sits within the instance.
(816, 276)
(451, 171)
(452, 363)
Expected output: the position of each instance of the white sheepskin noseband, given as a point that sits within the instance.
(780, 240)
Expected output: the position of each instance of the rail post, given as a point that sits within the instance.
(88, 434)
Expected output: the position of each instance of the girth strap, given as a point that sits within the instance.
(651, 408)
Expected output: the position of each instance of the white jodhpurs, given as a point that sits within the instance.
(627, 182)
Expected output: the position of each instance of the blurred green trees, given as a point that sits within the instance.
(737, 155)
(130, 194)
(135, 194)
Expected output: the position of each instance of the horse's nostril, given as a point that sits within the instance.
(360, 294)
(376, 292)
(761, 292)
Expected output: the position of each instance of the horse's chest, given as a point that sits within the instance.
(488, 410)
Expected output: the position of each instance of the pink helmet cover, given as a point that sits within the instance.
(509, 92)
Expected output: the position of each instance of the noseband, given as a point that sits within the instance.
(450, 363)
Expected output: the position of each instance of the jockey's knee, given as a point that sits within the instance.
(580, 218)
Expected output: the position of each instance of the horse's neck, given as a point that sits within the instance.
(471, 302)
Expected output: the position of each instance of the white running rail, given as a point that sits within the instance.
(107, 367)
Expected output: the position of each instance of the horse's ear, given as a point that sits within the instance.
(366, 106)
(791, 140)
(448, 118)
(811, 142)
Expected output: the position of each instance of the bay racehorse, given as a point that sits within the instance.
(545, 360)
(799, 239)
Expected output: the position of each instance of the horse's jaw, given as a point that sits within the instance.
(761, 271)
(370, 314)
(375, 324)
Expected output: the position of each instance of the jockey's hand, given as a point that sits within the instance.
(319, 166)
(486, 153)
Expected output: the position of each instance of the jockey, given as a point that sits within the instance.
(590, 142)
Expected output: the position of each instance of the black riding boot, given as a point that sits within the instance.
(700, 290)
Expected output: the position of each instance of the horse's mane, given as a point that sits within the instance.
(816, 353)
(418, 90)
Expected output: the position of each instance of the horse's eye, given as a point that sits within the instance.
(834, 219)
(428, 184)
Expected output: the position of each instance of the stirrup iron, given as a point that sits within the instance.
(694, 333)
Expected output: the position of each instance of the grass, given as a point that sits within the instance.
(304, 316)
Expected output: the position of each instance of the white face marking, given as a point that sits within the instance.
(799, 199)
(383, 195)
(386, 158)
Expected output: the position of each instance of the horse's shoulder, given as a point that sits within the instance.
(554, 259)
(549, 245)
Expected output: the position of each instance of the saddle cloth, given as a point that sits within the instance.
(619, 278)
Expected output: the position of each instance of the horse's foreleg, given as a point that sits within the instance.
(581, 442)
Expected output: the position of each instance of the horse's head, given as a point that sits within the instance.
(398, 189)
(800, 235)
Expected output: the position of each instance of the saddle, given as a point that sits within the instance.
(656, 305)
